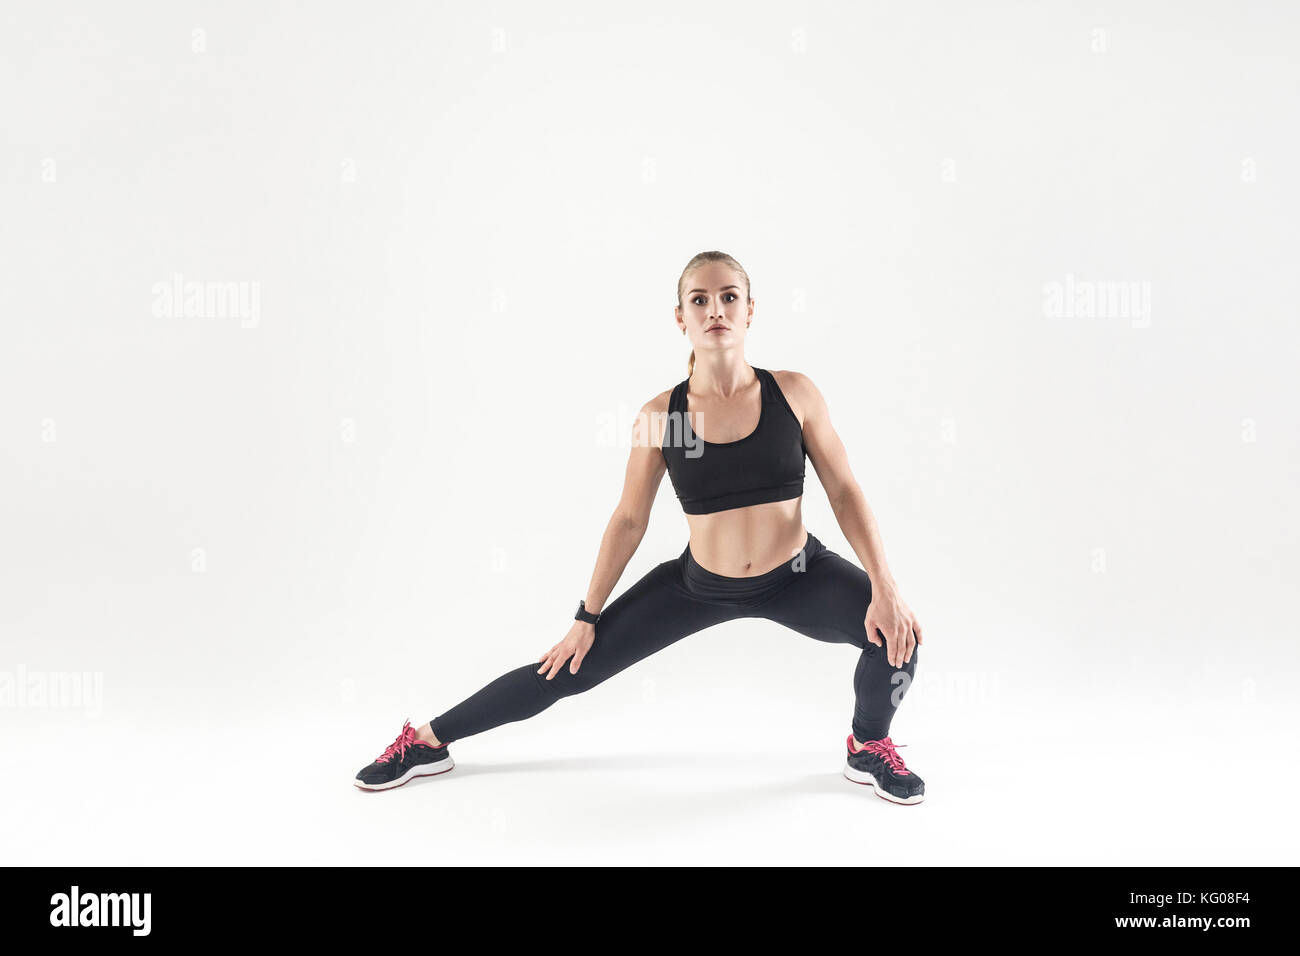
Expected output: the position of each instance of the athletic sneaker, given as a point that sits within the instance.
(879, 765)
(405, 758)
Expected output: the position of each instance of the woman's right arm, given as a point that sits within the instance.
(623, 533)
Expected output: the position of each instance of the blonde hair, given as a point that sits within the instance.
(697, 261)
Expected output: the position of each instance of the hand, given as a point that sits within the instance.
(890, 614)
(576, 644)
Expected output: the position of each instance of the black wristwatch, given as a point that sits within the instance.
(584, 615)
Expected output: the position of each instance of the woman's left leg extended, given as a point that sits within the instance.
(828, 601)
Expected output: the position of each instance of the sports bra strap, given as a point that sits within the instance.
(677, 401)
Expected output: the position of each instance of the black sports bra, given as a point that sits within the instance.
(765, 465)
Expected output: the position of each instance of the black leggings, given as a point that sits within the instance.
(816, 593)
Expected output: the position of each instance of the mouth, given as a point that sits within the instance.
(717, 328)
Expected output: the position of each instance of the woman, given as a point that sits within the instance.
(733, 439)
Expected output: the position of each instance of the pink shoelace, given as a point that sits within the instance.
(398, 747)
(888, 750)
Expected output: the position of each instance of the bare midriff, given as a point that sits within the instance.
(745, 542)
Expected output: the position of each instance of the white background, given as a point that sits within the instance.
(267, 543)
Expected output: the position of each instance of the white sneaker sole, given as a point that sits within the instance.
(419, 770)
(861, 776)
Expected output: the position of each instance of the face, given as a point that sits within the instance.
(714, 312)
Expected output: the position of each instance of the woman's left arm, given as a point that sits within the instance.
(888, 612)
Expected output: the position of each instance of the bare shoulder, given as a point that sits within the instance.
(799, 390)
(659, 403)
(649, 427)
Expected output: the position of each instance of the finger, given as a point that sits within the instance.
(871, 633)
(545, 663)
(916, 626)
(911, 646)
(559, 662)
(576, 663)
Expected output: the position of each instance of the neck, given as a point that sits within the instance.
(723, 374)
